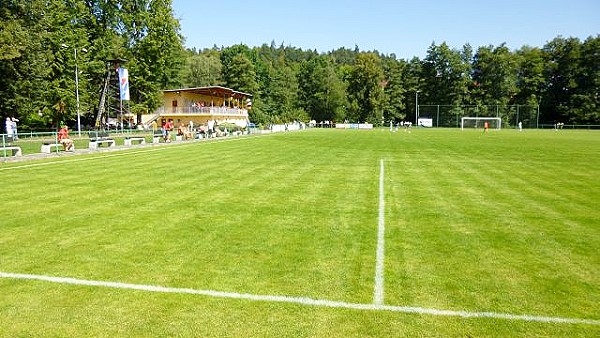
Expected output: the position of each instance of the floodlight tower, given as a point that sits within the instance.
(64, 45)
(417, 107)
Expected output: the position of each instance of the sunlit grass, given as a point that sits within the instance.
(505, 222)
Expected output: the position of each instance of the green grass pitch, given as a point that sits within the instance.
(505, 223)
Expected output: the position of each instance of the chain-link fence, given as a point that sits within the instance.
(449, 116)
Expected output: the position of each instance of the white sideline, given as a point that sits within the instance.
(301, 300)
(379, 266)
(121, 152)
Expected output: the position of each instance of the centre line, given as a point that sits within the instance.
(378, 293)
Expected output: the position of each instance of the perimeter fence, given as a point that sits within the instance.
(449, 116)
(34, 143)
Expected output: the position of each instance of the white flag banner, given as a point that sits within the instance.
(124, 83)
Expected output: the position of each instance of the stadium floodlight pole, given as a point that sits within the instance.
(64, 45)
(417, 108)
(537, 119)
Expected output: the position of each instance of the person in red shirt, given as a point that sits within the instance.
(168, 128)
(63, 138)
(486, 126)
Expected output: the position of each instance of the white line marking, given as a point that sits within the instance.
(122, 152)
(43, 164)
(301, 300)
(379, 266)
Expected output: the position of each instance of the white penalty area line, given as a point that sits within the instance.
(299, 300)
(379, 265)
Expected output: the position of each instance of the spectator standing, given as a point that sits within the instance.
(9, 127)
(168, 128)
(14, 128)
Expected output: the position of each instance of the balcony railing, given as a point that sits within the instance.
(217, 111)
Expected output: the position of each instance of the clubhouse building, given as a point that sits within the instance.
(199, 105)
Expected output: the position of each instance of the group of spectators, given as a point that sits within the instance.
(63, 134)
(188, 131)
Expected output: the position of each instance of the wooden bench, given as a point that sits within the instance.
(14, 151)
(48, 145)
(99, 138)
(129, 140)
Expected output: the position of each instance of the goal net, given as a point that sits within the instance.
(479, 122)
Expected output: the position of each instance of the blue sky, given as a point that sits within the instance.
(404, 28)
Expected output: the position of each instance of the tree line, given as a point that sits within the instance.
(42, 41)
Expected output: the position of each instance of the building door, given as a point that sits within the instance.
(174, 107)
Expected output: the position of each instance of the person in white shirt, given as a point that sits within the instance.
(9, 127)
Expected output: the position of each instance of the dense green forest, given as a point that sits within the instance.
(42, 42)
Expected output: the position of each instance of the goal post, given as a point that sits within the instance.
(479, 122)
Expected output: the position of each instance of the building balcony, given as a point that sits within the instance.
(203, 111)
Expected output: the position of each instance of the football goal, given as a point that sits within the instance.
(479, 122)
